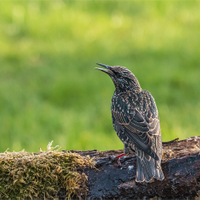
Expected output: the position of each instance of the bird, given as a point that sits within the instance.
(136, 122)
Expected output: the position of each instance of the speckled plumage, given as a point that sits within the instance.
(136, 122)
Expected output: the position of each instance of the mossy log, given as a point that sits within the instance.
(55, 174)
(180, 164)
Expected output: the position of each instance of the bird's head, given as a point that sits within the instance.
(123, 78)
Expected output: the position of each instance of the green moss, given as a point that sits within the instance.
(43, 174)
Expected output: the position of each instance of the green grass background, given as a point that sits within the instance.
(49, 89)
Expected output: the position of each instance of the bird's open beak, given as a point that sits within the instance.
(107, 69)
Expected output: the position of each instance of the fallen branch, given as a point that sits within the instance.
(180, 164)
(95, 175)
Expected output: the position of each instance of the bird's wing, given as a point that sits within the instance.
(138, 125)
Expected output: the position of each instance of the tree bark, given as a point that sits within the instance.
(180, 164)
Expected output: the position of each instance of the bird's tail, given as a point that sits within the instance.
(148, 168)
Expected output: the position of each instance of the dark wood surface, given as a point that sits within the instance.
(180, 164)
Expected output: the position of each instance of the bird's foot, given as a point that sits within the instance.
(120, 155)
(117, 158)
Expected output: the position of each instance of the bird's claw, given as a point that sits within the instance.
(115, 158)
(118, 162)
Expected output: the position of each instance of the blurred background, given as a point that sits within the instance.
(49, 89)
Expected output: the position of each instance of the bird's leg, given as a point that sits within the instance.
(126, 151)
(118, 158)
(120, 155)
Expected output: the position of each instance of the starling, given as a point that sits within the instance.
(136, 122)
